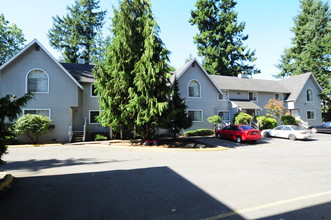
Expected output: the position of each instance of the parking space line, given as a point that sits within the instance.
(268, 205)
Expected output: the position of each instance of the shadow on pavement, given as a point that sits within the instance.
(150, 193)
(35, 165)
(229, 143)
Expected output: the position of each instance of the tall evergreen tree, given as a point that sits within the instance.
(175, 116)
(11, 39)
(10, 108)
(311, 45)
(76, 34)
(220, 40)
(131, 80)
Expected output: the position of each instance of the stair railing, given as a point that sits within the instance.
(70, 133)
(84, 130)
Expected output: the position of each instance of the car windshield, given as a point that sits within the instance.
(246, 127)
(297, 128)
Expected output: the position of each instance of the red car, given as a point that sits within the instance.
(239, 133)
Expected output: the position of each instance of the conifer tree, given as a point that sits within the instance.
(311, 46)
(220, 40)
(131, 79)
(11, 39)
(76, 34)
(175, 115)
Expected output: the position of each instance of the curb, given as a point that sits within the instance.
(34, 145)
(6, 182)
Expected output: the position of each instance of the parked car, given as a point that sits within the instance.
(323, 128)
(291, 132)
(239, 133)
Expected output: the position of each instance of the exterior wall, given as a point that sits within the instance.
(63, 92)
(208, 102)
(303, 105)
(91, 104)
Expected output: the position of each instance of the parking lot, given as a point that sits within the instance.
(273, 179)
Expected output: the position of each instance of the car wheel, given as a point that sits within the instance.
(292, 137)
(238, 139)
(218, 135)
(266, 134)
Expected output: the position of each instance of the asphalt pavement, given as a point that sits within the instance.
(273, 179)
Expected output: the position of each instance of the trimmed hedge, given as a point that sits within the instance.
(288, 120)
(199, 132)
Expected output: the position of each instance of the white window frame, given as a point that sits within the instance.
(314, 114)
(26, 81)
(91, 91)
(257, 96)
(188, 89)
(224, 111)
(36, 109)
(196, 110)
(89, 117)
(227, 99)
(312, 95)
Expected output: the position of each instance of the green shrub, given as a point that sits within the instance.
(266, 123)
(199, 132)
(288, 120)
(242, 119)
(215, 120)
(100, 137)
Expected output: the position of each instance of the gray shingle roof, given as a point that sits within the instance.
(244, 84)
(81, 72)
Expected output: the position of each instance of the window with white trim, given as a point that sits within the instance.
(311, 115)
(93, 115)
(44, 112)
(252, 96)
(37, 81)
(194, 89)
(310, 97)
(225, 115)
(224, 95)
(195, 115)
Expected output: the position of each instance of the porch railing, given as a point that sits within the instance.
(70, 133)
(302, 123)
(254, 124)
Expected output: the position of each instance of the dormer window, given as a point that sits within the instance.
(252, 96)
(310, 95)
(194, 90)
(37, 81)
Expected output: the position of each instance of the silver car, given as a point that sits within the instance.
(292, 132)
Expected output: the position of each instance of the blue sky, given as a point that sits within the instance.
(268, 24)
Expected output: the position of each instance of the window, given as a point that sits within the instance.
(93, 115)
(252, 96)
(194, 89)
(195, 115)
(224, 96)
(225, 115)
(93, 91)
(310, 115)
(45, 112)
(37, 81)
(310, 95)
(277, 96)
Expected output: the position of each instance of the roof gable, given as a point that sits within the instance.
(35, 41)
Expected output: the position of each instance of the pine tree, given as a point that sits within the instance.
(76, 34)
(175, 115)
(132, 80)
(220, 40)
(11, 39)
(311, 46)
(10, 108)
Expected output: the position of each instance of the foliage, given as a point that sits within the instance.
(215, 120)
(175, 115)
(77, 34)
(132, 80)
(266, 123)
(288, 120)
(220, 40)
(11, 39)
(199, 132)
(33, 126)
(275, 108)
(100, 137)
(311, 46)
(10, 108)
(242, 119)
